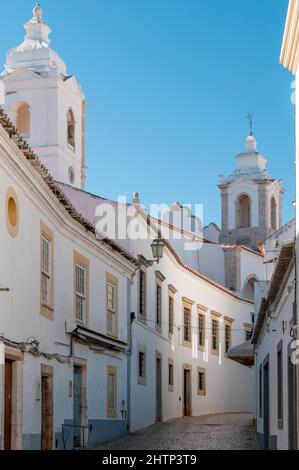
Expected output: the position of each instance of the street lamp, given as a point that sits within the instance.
(157, 249)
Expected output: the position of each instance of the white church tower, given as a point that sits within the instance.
(251, 200)
(45, 103)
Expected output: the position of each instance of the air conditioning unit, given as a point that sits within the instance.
(70, 326)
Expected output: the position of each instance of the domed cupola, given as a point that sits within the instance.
(35, 52)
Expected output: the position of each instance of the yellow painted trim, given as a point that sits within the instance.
(202, 309)
(228, 319)
(111, 413)
(172, 289)
(188, 302)
(47, 370)
(215, 315)
(47, 310)
(13, 228)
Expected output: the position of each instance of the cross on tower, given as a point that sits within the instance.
(250, 119)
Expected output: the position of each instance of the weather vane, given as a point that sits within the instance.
(250, 119)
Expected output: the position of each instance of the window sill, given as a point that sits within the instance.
(170, 388)
(187, 344)
(47, 312)
(201, 348)
(201, 393)
(214, 352)
(141, 381)
(112, 414)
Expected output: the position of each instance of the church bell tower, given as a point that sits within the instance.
(251, 200)
(45, 103)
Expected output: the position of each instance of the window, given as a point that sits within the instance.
(112, 304)
(228, 337)
(111, 392)
(170, 315)
(187, 325)
(201, 381)
(273, 214)
(142, 295)
(23, 120)
(158, 307)
(71, 128)
(170, 375)
(243, 212)
(279, 386)
(81, 268)
(80, 289)
(215, 336)
(248, 335)
(12, 212)
(260, 391)
(46, 271)
(201, 331)
(71, 175)
(141, 365)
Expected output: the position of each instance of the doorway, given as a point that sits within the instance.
(187, 392)
(266, 401)
(158, 389)
(292, 402)
(7, 405)
(47, 408)
(77, 407)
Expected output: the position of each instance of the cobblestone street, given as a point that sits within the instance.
(222, 432)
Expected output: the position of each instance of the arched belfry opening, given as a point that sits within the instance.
(273, 214)
(243, 211)
(71, 128)
(23, 119)
(248, 289)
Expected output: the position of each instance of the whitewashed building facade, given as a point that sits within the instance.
(97, 339)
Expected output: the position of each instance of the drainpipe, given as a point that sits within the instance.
(129, 353)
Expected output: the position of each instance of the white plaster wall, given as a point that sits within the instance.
(20, 313)
(252, 265)
(49, 101)
(268, 345)
(229, 385)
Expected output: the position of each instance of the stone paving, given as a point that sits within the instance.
(222, 432)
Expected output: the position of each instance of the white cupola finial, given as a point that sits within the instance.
(251, 144)
(37, 13)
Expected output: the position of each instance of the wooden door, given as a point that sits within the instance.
(47, 413)
(77, 406)
(266, 407)
(7, 404)
(187, 392)
(158, 391)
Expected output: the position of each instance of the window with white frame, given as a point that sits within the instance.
(201, 381)
(45, 271)
(112, 300)
(201, 330)
(170, 315)
(80, 293)
(158, 306)
(170, 375)
(111, 392)
(142, 295)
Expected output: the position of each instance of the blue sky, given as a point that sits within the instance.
(168, 84)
